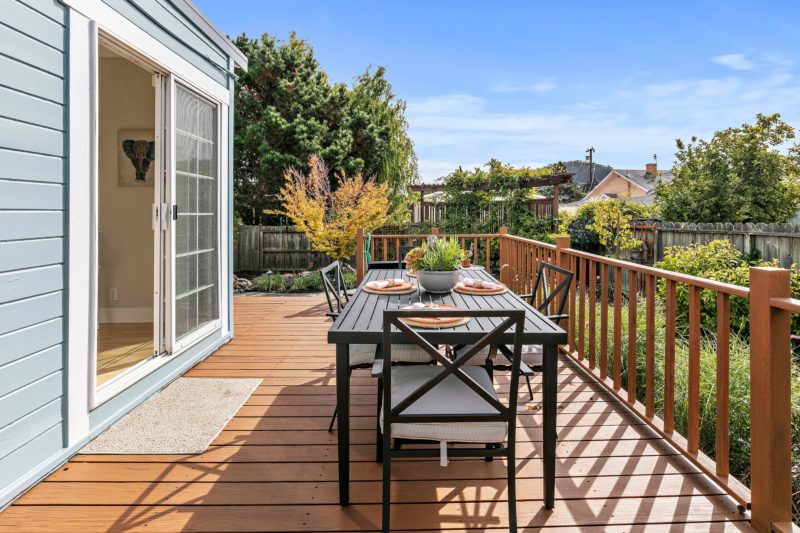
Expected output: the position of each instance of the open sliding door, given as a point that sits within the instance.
(194, 236)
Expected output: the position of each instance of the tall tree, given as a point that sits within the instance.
(740, 175)
(287, 109)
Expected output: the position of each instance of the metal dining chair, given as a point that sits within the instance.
(361, 355)
(552, 286)
(449, 403)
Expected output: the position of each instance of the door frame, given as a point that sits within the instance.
(88, 19)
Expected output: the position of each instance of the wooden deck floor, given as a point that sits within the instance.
(273, 468)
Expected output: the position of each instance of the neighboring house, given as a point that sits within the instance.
(115, 215)
(580, 172)
(631, 185)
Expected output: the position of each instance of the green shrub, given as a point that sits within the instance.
(580, 225)
(312, 282)
(268, 283)
(720, 261)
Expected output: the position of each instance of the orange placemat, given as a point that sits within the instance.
(436, 323)
(402, 288)
(465, 289)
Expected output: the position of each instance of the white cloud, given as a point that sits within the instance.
(627, 120)
(449, 103)
(734, 61)
(539, 87)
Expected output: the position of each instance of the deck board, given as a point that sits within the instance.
(273, 468)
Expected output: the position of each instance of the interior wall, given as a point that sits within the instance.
(125, 254)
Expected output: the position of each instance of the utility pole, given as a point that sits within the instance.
(590, 151)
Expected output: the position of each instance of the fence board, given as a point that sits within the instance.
(276, 248)
(772, 241)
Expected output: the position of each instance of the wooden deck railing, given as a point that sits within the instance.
(596, 344)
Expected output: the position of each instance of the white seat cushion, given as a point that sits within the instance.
(401, 353)
(450, 397)
(531, 356)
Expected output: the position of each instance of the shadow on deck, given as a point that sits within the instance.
(274, 468)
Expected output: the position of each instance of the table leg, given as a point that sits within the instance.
(550, 379)
(343, 425)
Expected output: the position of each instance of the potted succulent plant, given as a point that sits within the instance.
(438, 264)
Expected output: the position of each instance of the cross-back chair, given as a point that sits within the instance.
(453, 402)
(361, 355)
(335, 288)
(549, 296)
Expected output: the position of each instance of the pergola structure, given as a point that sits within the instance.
(547, 206)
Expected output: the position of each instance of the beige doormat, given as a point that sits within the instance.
(183, 418)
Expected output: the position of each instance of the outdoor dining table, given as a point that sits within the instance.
(361, 322)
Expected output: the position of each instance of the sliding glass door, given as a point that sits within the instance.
(195, 216)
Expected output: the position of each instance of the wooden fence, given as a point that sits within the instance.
(595, 343)
(276, 248)
(773, 241)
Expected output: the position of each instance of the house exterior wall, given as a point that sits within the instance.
(614, 184)
(33, 176)
(34, 230)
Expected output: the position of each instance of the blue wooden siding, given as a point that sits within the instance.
(34, 144)
(32, 220)
(166, 25)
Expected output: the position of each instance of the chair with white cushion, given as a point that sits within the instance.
(451, 403)
(361, 355)
(551, 288)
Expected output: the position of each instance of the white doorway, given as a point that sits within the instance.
(157, 206)
(127, 188)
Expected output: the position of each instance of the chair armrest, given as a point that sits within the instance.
(332, 315)
(377, 368)
(557, 318)
(377, 363)
(526, 296)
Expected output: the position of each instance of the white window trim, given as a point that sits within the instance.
(87, 18)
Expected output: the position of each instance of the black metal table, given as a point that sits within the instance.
(361, 322)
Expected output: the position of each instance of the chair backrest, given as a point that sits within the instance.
(552, 287)
(505, 412)
(384, 264)
(404, 251)
(334, 287)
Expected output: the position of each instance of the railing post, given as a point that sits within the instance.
(360, 271)
(504, 267)
(562, 259)
(770, 400)
(434, 231)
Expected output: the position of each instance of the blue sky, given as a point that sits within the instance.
(536, 82)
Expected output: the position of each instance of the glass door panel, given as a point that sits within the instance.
(195, 213)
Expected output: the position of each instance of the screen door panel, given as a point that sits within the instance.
(196, 235)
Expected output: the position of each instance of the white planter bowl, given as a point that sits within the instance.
(435, 281)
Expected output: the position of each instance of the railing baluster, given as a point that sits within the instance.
(633, 288)
(397, 249)
(385, 247)
(573, 261)
(488, 254)
(603, 321)
(617, 328)
(592, 272)
(474, 258)
(582, 308)
(669, 359)
(722, 447)
(372, 248)
(650, 349)
(693, 429)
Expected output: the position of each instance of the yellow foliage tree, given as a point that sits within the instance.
(330, 218)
